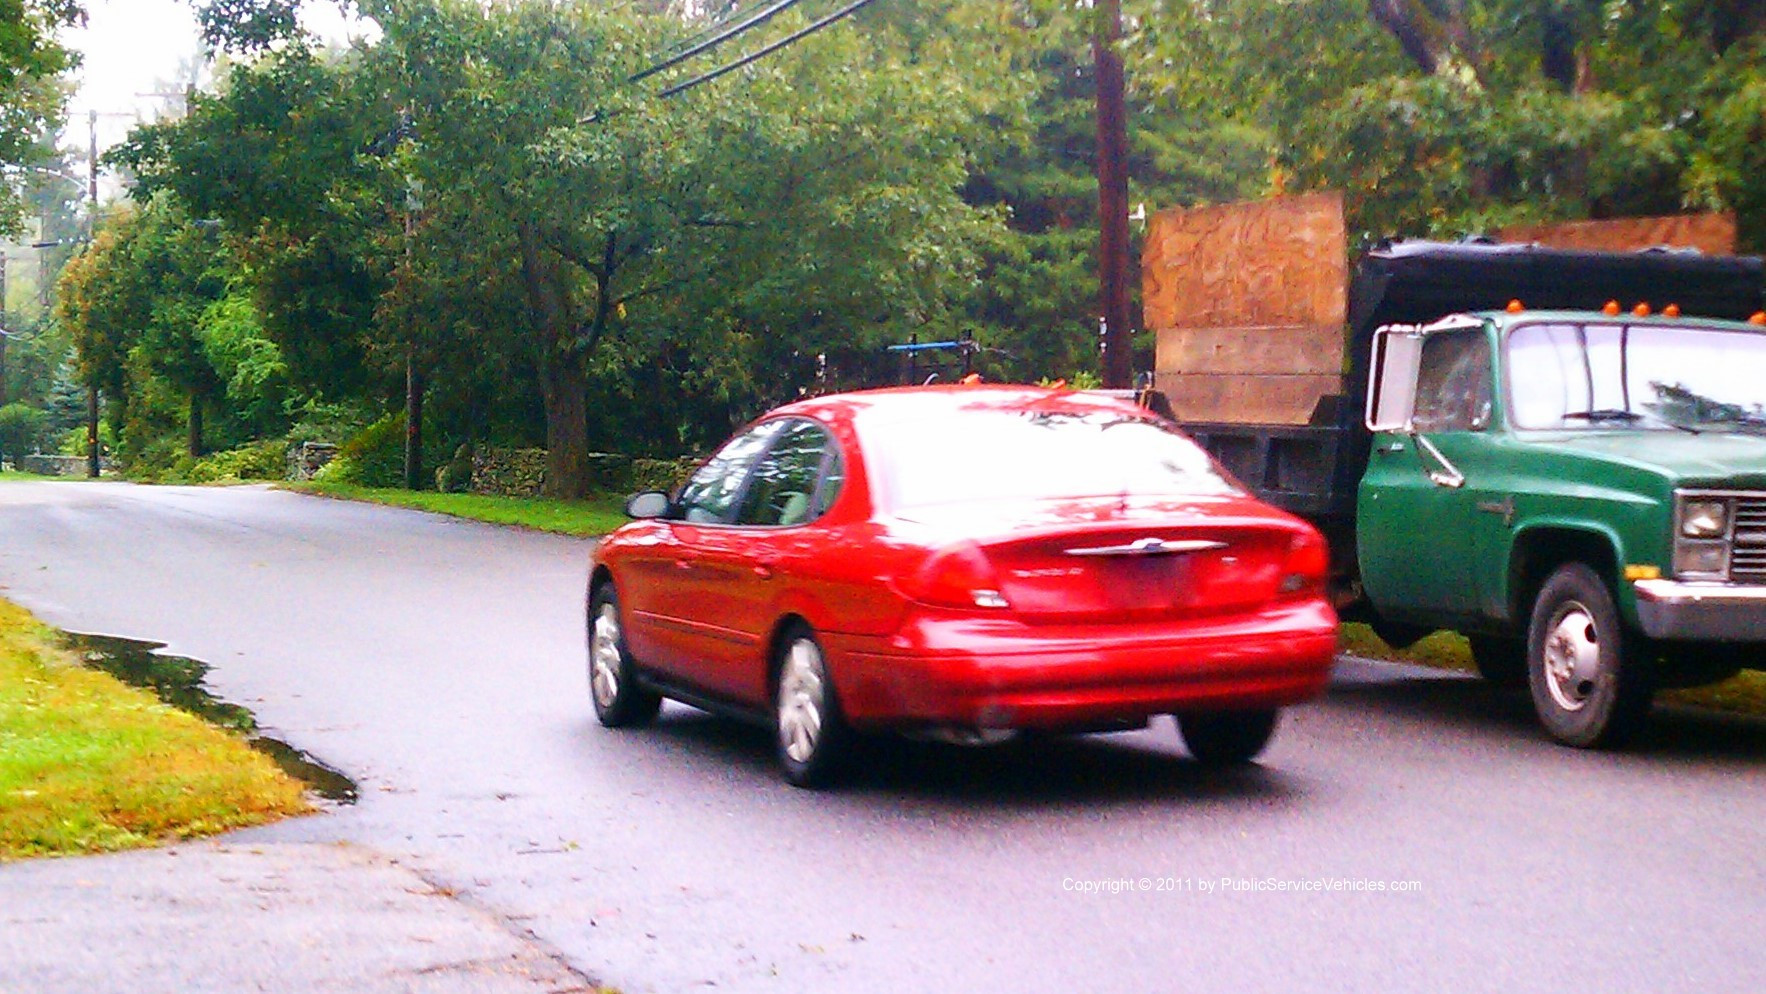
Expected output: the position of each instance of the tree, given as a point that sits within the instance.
(137, 303)
(31, 98)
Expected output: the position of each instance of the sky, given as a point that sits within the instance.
(136, 47)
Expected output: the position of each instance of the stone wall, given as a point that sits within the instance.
(308, 458)
(59, 465)
(522, 472)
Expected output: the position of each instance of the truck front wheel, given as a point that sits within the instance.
(1591, 683)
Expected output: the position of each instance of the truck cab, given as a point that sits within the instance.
(1582, 493)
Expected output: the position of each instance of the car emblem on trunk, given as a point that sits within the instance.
(1149, 547)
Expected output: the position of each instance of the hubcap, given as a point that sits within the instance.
(1572, 657)
(801, 693)
(604, 657)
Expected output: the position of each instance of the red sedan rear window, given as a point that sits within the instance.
(979, 455)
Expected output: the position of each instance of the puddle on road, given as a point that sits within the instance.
(178, 682)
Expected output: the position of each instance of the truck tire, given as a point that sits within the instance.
(1502, 662)
(1590, 679)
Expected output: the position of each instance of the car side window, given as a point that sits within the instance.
(784, 486)
(1453, 390)
(710, 494)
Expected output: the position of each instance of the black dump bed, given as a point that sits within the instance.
(1314, 470)
(1418, 282)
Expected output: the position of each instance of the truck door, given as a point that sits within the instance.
(1417, 506)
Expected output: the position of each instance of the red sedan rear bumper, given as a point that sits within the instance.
(986, 673)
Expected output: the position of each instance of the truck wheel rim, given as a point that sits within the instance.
(1572, 657)
(801, 689)
(604, 657)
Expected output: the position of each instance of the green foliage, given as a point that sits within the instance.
(31, 95)
(375, 457)
(262, 461)
(1450, 118)
(22, 430)
(482, 199)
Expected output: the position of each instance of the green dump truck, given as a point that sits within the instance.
(1559, 453)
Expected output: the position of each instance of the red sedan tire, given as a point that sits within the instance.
(613, 680)
(1227, 738)
(814, 741)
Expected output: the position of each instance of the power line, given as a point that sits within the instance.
(755, 21)
(839, 15)
(713, 24)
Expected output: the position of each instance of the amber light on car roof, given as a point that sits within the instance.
(1641, 310)
(1671, 311)
(1612, 309)
(1759, 317)
(1516, 307)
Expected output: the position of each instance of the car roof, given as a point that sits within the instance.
(945, 399)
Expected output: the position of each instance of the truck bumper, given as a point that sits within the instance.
(1701, 612)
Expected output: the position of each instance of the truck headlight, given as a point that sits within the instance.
(1704, 518)
(1702, 559)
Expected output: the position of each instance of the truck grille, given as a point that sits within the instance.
(1747, 560)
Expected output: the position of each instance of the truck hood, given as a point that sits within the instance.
(1712, 458)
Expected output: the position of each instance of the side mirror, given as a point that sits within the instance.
(649, 504)
(1391, 388)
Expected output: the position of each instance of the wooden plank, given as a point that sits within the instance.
(1277, 262)
(1282, 349)
(1241, 398)
(1712, 234)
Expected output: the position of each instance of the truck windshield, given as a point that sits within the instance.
(1606, 375)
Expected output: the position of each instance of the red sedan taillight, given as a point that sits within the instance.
(1307, 565)
(958, 576)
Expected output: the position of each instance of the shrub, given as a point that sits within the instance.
(455, 475)
(22, 428)
(262, 461)
(377, 454)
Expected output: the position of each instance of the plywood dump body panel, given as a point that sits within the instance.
(1712, 234)
(1248, 302)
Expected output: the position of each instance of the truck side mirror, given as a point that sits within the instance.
(1391, 389)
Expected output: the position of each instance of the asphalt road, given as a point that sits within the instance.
(441, 664)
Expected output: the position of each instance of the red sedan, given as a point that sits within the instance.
(960, 562)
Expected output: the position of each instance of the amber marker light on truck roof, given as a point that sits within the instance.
(1671, 311)
(1516, 307)
(1612, 309)
(1641, 310)
(1759, 317)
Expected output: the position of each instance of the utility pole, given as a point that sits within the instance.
(1113, 247)
(93, 466)
(5, 335)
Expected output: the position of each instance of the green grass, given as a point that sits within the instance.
(89, 764)
(595, 516)
(13, 474)
(1744, 693)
